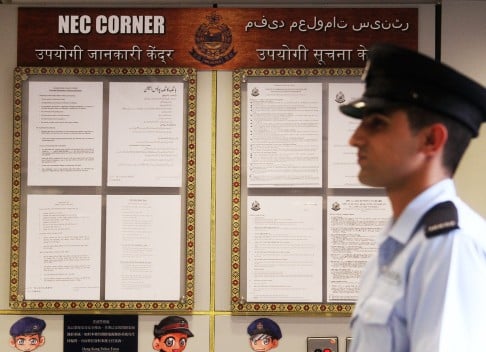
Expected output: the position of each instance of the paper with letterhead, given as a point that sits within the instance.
(284, 249)
(342, 160)
(65, 133)
(145, 139)
(63, 247)
(353, 226)
(284, 135)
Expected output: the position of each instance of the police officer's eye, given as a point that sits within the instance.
(20, 341)
(266, 341)
(33, 341)
(169, 342)
(374, 121)
(182, 342)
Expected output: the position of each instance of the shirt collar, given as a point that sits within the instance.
(404, 227)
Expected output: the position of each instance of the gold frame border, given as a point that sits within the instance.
(186, 303)
(238, 303)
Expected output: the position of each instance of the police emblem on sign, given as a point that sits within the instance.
(213, 42)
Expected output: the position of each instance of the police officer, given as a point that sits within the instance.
(26, 333)
(425, 289)
(264, 334)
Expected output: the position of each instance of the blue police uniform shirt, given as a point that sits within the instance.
(422, 294)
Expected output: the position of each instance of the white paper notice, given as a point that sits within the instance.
(63, 247)
(143, 237)
(353, 225)
(65, 133)
(145, 134)
(342, 165)
(284, 135)
(284, 249)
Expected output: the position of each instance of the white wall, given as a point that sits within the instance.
(463, 47)
(464, 30)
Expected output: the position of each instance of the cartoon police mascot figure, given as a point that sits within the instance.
(26, 334)
(171, 334)
(264, 334)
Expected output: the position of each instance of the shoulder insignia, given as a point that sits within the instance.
(440, 219)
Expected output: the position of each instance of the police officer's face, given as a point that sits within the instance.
(28, 342)
(173, 342)
(389, 152)
(263, 344)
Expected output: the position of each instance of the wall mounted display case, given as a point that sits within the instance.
(103, 196)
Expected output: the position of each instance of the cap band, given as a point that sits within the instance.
(176, 326)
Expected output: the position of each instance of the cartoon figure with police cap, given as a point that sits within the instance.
(26, 333)
(171, 334)
(264, 334)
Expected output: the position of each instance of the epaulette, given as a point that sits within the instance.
(440, 219)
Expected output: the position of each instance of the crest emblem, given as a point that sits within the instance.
(213, 42)
(340, 98)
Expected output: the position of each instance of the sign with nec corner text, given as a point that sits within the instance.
(215, 38)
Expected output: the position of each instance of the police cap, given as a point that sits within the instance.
(27, 326)
(172, 324)
(398, 76)
(265, 326)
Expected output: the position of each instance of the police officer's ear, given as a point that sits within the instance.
(12, 341)
(434, 138)
(42, 340)
(274, 343)
(156, 345)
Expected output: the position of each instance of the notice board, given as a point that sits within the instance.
(103, 193)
